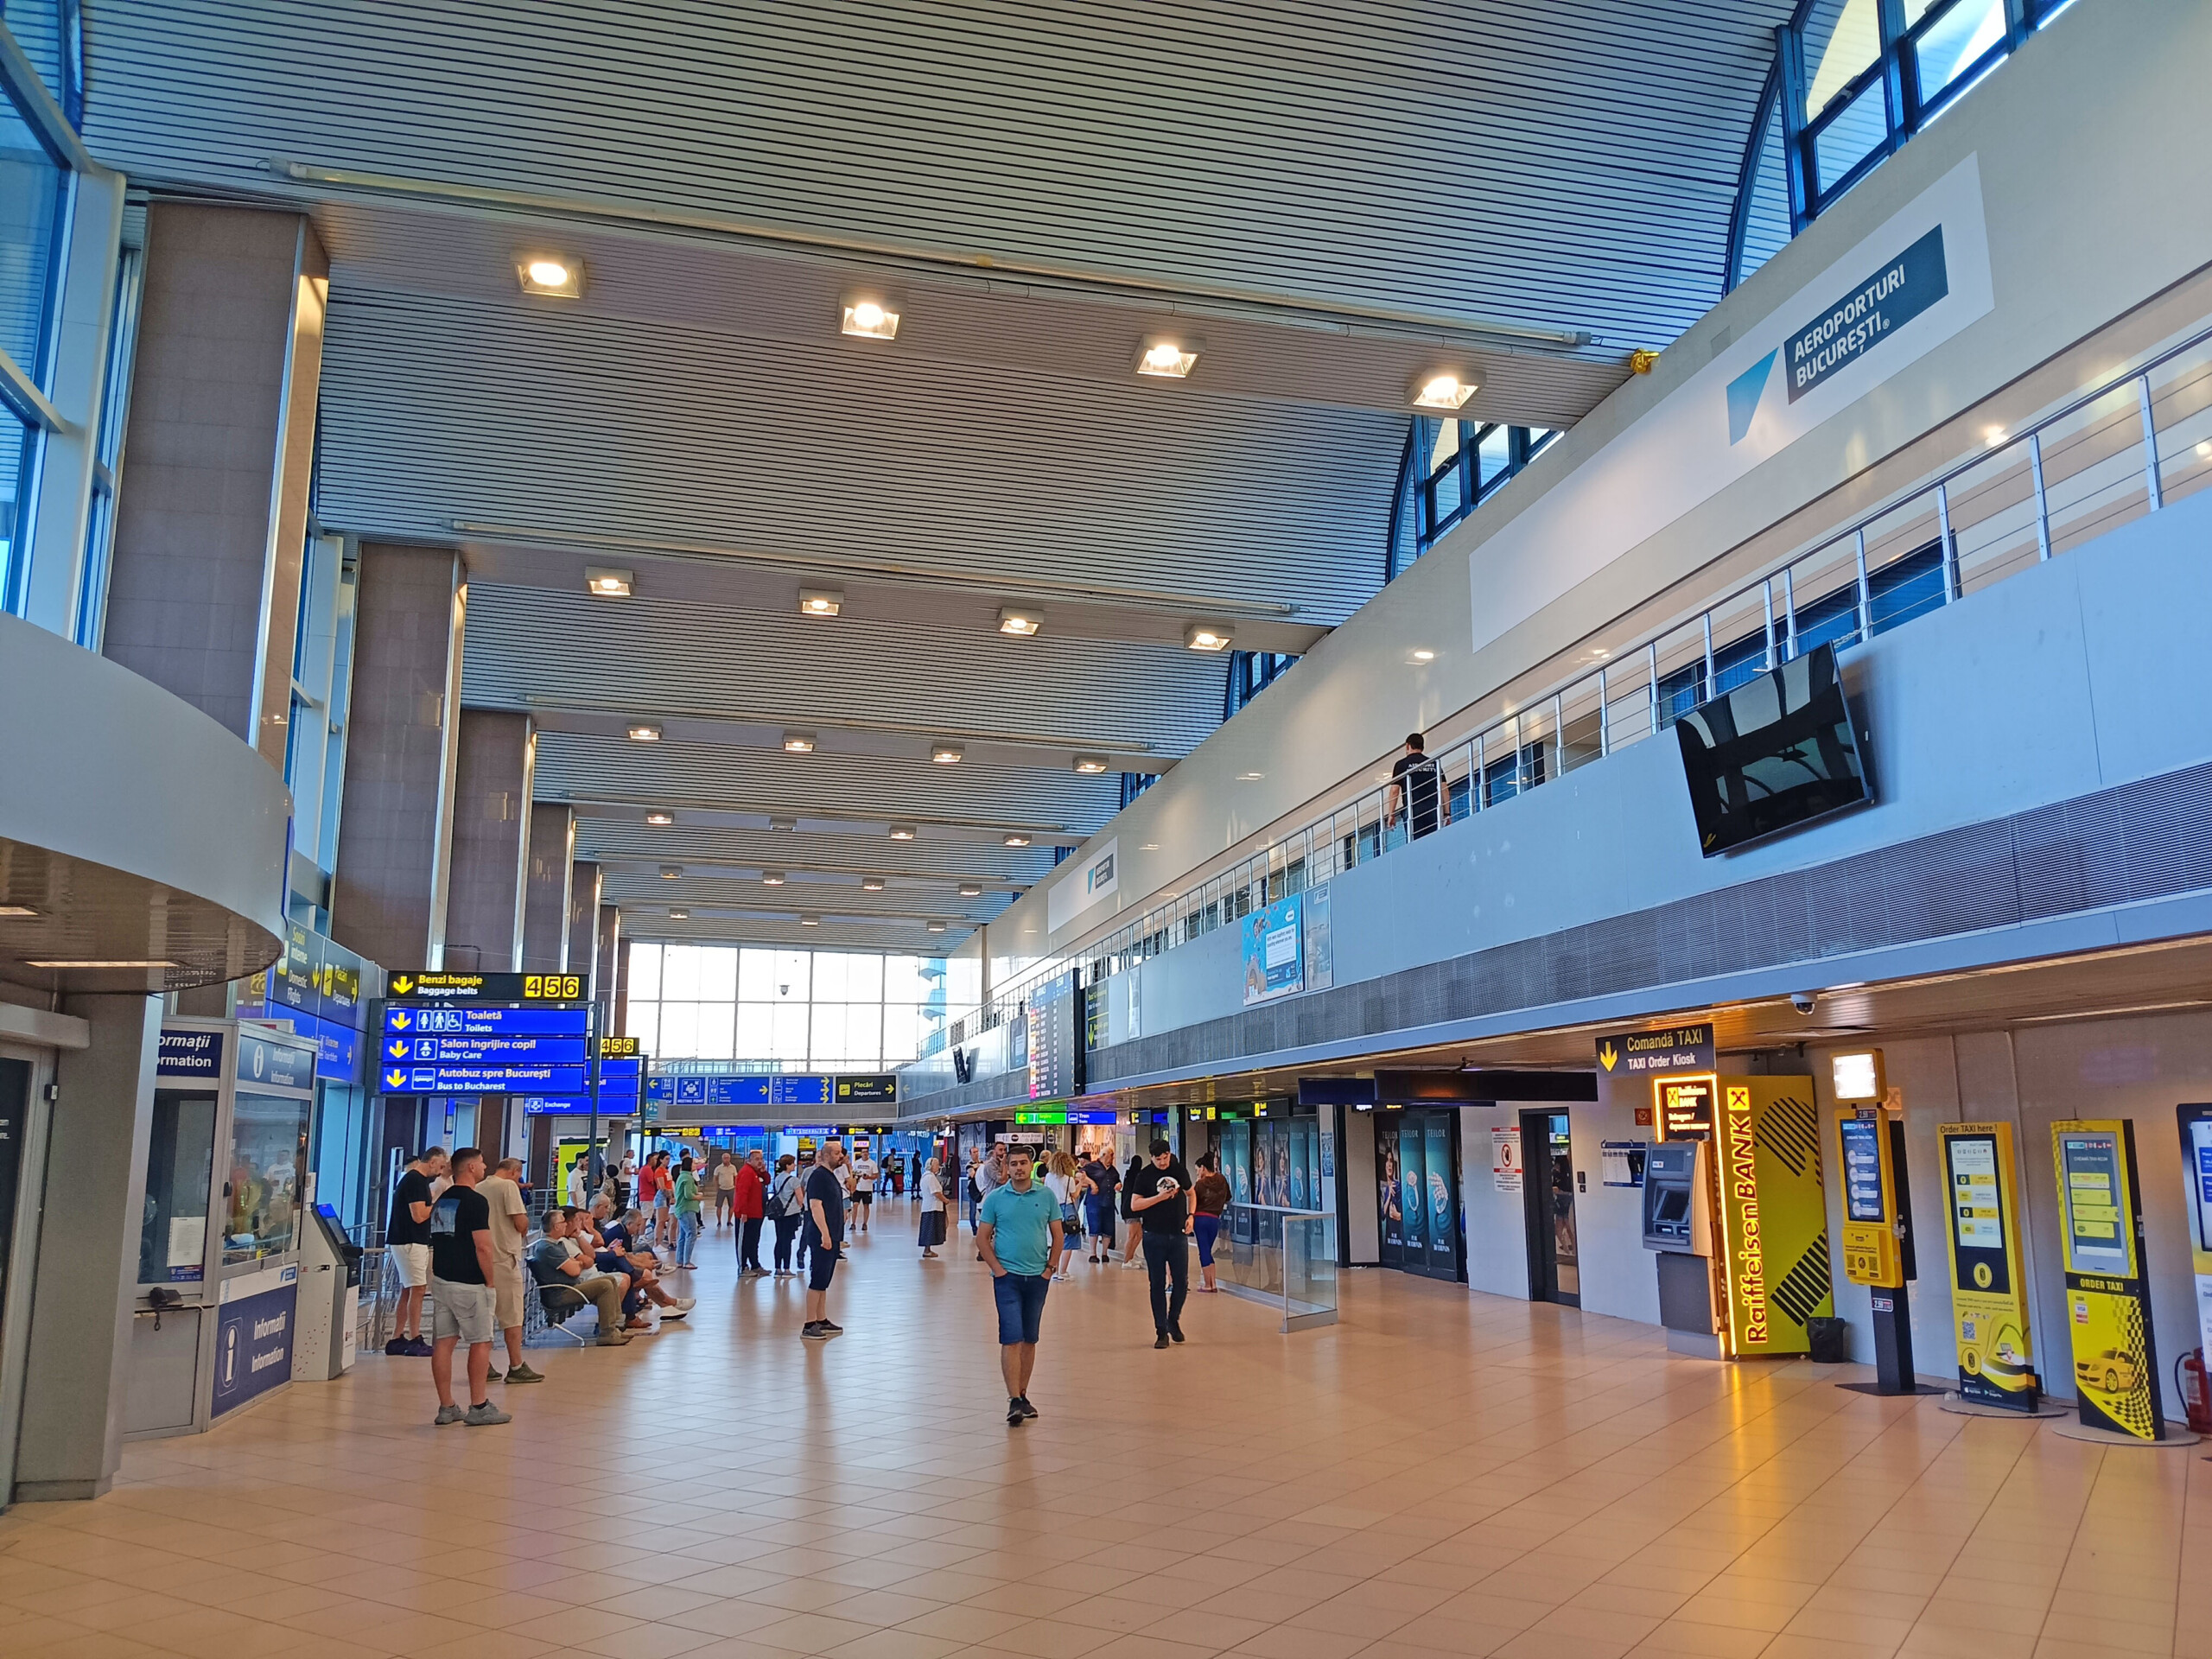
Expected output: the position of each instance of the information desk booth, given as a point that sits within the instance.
(218, 1254)
(1734, 1213)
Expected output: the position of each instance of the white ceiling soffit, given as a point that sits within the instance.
(437, 412)
(1562, 163)
(615, 833)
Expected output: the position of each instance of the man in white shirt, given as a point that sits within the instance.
(725, 1191)
(860, 1187)
(502, 1190)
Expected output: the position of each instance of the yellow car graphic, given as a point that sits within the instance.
(2111, 1372)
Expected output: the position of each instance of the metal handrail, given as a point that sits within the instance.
(1541, 738)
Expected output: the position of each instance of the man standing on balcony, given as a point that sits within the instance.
(1416, 791)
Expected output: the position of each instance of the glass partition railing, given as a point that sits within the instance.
(1285, 1258)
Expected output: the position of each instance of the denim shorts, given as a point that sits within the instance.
(1020, 1298)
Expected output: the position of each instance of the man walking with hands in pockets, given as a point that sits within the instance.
(1018, 1231)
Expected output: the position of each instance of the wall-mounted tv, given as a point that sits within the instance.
(1773, 754)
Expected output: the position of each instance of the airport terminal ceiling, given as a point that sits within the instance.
(1317, 199)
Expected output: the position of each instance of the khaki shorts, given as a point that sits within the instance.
(462, 1313)
(412, 1263)
(507, 1291)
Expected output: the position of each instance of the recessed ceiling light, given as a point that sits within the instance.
(798, 742)
(677, 913)
(1207, 636)
(101, 961)
(1167, 360)
(642, 734)
(902, 832)
(871, 884)
(17, 910)
(936, 927)
(1249, 777)
(1443, 391)
(608, 584)
(870, 320)
(771, 878)
(1021, 623)
(971, 889)
(662, 819)
(810, 921)
(670, 872)
(553, 274)
(946, 753)
(1424, 655)
(1016, 839)
(1992, 435)
(780, 823)
(1150, 847)
(821, 601)
(1090, 764)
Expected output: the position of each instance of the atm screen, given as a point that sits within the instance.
(1673, 1205)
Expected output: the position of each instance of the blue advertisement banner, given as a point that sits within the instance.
(253, 1346)
(1888, 300)
(466, 1021)
(1274, 951)
(190, 1054)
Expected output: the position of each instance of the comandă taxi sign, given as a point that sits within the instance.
(1989, 1296)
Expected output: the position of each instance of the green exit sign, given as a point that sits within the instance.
(1040, 1117)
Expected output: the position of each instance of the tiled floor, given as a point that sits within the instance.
(1441, 1474)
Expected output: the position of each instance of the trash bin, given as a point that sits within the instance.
(1831, 1340)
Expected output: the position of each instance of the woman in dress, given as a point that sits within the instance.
(932, 1211)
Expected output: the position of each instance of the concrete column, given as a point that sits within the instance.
(491, 841)
(545, 906)
(609, 968)
(85, 1291)
(389, 893)
(204, 595)
(584, 922)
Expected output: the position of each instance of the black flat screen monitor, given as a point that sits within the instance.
(1771, 755)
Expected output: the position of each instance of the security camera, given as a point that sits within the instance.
(1804, 1001)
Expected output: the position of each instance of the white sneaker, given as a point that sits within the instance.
(685, 1304)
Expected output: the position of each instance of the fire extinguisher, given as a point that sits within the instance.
(2196, 1390)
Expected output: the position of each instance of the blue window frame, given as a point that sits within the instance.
(1448, 469)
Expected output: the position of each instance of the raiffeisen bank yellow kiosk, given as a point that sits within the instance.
(1733, 1208)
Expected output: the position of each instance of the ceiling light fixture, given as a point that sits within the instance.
(871, 884)
(1208, 636)
(902, 832)
(677, 913)
(643, 733)
(821, 601)
(101, 961)
(869, 319)
(771, 878)
(1090, 765)
(1022, 624)
(1163, 359)
(1443, 392)
(1016, 839)
(779, 822)
(810, 921)
(936, 927)
(945, 754)
(798, 742)
(670, 872)
(971, 889)
(17, 910)
(660, 820)
(609, 584)
(1424, 655)
(554, 276)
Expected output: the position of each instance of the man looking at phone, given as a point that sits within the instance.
(1160, 1198)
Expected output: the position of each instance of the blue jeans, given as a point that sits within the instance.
(687, 1235)
(1206, 1227)
(1020, 1299)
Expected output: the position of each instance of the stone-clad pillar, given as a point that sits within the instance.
(491, 841)
(545, 907)
(584, 922)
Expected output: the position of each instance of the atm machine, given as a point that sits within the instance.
(329, 1301)
(219, 1249)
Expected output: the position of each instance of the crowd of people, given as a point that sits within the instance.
(459, 1235)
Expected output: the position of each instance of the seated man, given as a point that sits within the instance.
(555, 1260)
(616, 1253)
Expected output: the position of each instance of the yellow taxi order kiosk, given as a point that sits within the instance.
(1771, 1236)
(1989, 1291)
(2107, 1292)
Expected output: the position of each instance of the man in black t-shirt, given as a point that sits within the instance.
(407, 1246)
(1160, 1197)
(824, 1192)
(1416, 789)
(463, 1306)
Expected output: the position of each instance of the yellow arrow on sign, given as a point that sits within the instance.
(399, 1019)
(402, 985)
(1606, 1056)
(394, 1079)
(397, 1050)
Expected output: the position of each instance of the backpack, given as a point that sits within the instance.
(777, 1202)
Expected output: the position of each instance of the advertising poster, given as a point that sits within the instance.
(1301, 1167)
(1443, 1203)
(2108, 1303)
(1505, 1159)
(2196, 1172)
(1386, 1183)
(1620, 1163)
(1412, 1208)
(1274, 951)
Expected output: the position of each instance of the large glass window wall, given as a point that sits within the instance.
(793, 1010)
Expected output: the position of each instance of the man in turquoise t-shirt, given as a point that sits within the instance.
(1018, 1232)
